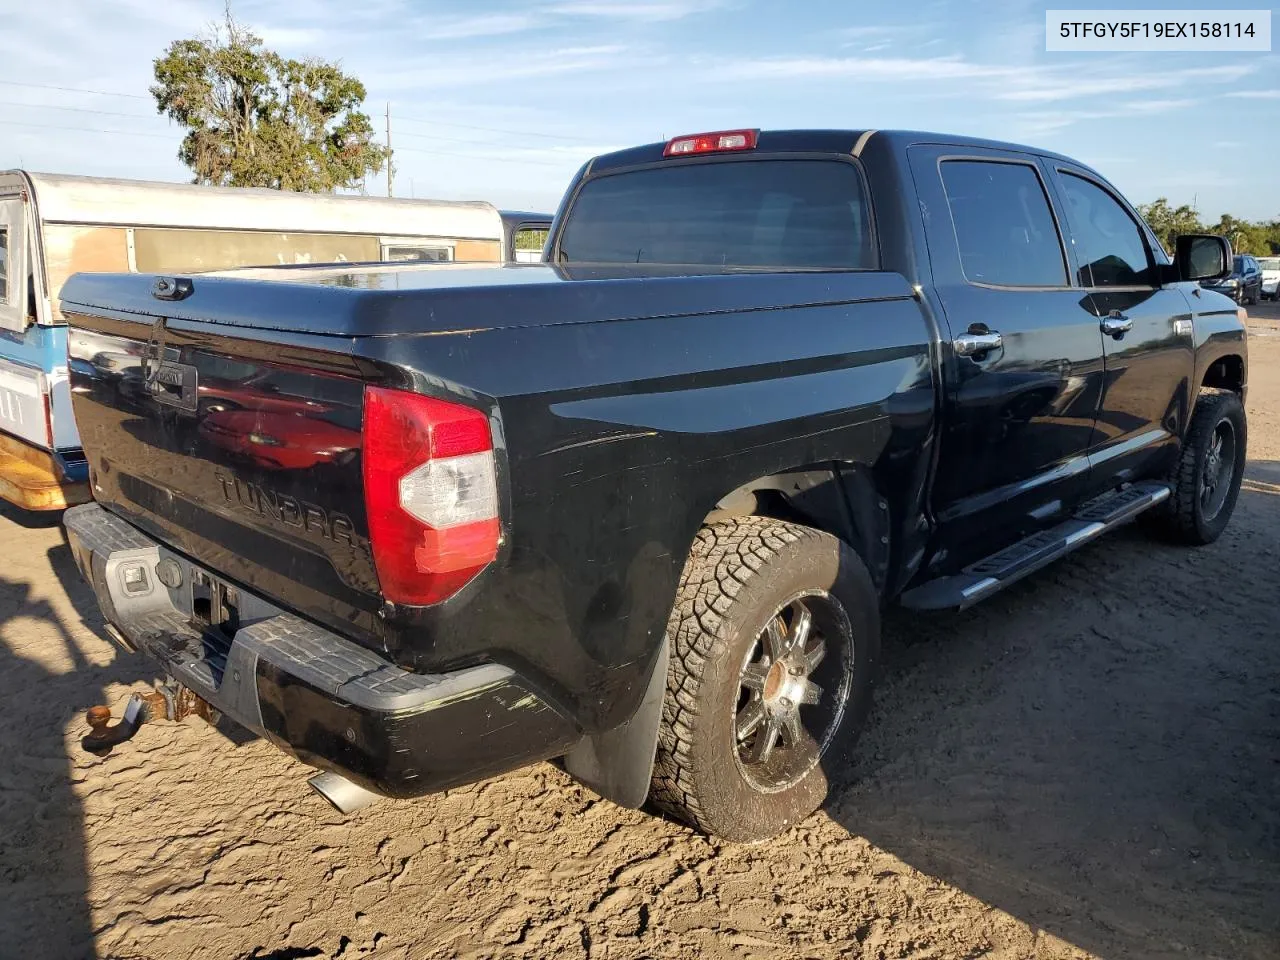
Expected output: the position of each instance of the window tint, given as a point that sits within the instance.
(1003, 224)
(4, 264)
(757, 213)
(1108, 243)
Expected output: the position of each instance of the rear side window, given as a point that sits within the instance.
(1108, 241)
(760, 213)
(1004, 228)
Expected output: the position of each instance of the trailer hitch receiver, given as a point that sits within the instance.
(169, 701)
(102, 736)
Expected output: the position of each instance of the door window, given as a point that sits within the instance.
(4, 264)
(1108, 241)
(1003, 225)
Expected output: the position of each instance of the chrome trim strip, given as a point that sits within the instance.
(980, 587)
(1128, 446)
(1088, 533)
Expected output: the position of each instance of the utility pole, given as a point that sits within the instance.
(391, 167)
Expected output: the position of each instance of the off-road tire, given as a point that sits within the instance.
(1181, 519)
(737, 575)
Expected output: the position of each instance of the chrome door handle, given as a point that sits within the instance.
(1116, 324)
(970, 344)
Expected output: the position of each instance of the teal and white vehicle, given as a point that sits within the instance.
(52, 226)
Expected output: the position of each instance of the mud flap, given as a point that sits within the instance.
(618, 763)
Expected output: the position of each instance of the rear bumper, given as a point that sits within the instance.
(327, 701)
(36, 479)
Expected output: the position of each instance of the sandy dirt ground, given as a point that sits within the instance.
(1086, 766)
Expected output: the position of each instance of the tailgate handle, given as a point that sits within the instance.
(172, 288)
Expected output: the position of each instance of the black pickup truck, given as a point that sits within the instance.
(637, 509)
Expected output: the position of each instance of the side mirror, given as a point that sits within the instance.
(1200, 256)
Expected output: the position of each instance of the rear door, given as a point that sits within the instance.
(1146, 331)
(1024, 365)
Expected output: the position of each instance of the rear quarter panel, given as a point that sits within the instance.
(620, 438)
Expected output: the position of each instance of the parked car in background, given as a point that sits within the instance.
(525, 234)
(1243, 284)
(1270, 277)
(639, 507)
(52, 226)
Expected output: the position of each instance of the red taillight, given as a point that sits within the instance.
(431, 492)
(711, 142)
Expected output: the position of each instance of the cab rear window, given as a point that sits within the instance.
(782, 214)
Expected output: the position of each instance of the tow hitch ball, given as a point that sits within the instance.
(170, 701)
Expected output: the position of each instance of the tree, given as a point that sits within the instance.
(1167, 222)
(257, 119)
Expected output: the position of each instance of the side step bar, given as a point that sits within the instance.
(991, 575)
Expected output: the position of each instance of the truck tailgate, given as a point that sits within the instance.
(241, 454)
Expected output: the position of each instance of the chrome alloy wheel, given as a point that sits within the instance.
(793, 687)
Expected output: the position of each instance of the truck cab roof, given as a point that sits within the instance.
(818, 141)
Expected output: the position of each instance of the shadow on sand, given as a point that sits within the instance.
(1095, 751)
(46, 682)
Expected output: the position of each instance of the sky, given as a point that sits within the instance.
(502, 100)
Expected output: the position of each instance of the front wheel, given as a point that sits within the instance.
(775, 638)
(1206, 482)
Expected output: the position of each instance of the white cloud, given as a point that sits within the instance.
(1053, 85)
(1255, 94)
(858, 68)
(1039, 124)
(491, 25)
(1016, 84)
(657, 11)
(1158, 106)
(867, 31)
(470, 71)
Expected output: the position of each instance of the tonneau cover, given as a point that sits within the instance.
(393, 299)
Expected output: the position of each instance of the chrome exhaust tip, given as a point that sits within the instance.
(341, 792)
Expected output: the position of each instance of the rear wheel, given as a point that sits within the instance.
(1206, 482)
(775, 638)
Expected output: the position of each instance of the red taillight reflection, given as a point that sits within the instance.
(717, 142)
(431, 494)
